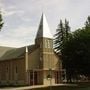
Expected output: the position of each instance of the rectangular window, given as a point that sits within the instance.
(16, 69)
(7, 69)
(16, 73)
(48, 44)
(7, 73)
(45, 43)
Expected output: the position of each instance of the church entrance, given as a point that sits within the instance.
(33, 77)
(57, 77)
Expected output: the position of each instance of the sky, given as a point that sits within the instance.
(22, 17)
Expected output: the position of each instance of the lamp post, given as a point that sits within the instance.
(50, 78)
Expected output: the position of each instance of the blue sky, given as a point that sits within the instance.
(22, 17)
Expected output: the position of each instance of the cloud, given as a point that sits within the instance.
(11, 43)
(18, 37)
(22, 31)
(7, 13)
(22, 17)
(1, 4)
(9, 10)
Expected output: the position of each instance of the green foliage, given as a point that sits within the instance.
(87, 24)
(67, 29)
(59, 36)
(62, 34)
(1, 21)
(76, 52)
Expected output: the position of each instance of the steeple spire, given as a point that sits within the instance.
(43, 30)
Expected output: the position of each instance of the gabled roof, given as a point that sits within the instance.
(7, 53)
(3, 50)
(43, 30)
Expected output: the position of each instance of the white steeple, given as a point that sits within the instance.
(43, 30)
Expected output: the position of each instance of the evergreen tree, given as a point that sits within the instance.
(1, 21)
(87, 24)
(59, 36)
(67, 29)
(76, 53)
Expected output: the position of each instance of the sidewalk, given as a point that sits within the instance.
(36, 86)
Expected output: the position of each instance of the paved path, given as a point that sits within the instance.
(36, 86)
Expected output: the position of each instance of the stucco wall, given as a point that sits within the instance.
(12, 71)
(34, 60)
(50, 61)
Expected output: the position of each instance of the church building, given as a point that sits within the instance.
(36, 64)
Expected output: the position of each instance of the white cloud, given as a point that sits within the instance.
(26, 14)
(11, 43)
(9, 10)
(25, 19)
(1, 4)
(7, 13)
(23, 31)
(18, 37)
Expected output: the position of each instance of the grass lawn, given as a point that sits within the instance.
(63, 88)
(81, 86)
(78, 86)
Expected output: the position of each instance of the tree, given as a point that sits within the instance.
(76, 53)
(1, 21)
(62, 34)
(59, 37)
(87, 24)
(67, 29)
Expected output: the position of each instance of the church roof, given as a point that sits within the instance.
(43, 30)
(7, 53)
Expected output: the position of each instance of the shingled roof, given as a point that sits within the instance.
(8, 53)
